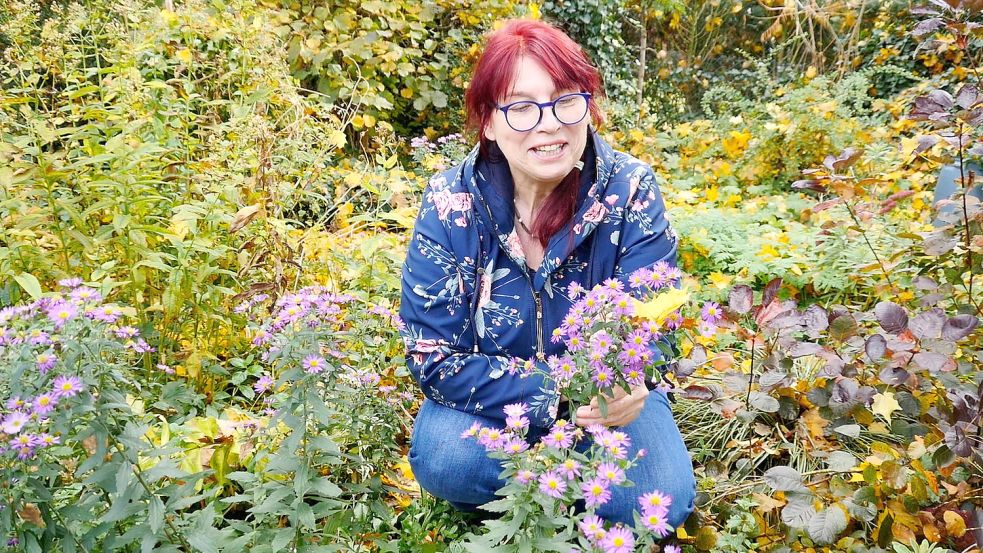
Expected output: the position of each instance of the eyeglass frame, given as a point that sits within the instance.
(542, 106)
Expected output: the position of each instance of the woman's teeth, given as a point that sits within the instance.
(550, 148)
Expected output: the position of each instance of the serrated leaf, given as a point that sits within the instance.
(156, 518)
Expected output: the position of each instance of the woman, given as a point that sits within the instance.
(541, 203)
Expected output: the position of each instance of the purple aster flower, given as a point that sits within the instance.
(264, 384)
(574, 290)
(45, 403)
(672, 549)
(639, 278)
(5, 336)
(525, 476)
(261, 337)
(166, 369)
(492, 438)
(24, 453)
(673, 320)
(618, 540)
(596, 492)
(515, 445)
(634, 376)
(61, 312)
(516, 409)
(592, 527)
(38, 337)
(84, 294)
(314, 364)
(517, 423)
(126, 332)
(67, 386)
(45, 361)
(47, 440)
(16, 403)
(655, 520)
(654, 500)
(14, 422)
(611, 473)
(603, 377)
(140, 346)
(570, 469)
(601, 342)
(24, 440)
(558, 438)
(73, 282)
(105, 313)
(551, 484)
(711, 312)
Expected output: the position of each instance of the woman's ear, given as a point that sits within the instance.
(489, 132)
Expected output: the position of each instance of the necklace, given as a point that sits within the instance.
(519, 218)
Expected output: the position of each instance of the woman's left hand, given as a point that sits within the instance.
(623, 408)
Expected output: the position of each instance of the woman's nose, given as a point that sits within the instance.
(549, 123)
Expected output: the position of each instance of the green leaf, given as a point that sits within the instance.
(784, 479)
(30, 284)
(156, 514)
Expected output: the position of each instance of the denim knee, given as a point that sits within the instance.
(448, 466)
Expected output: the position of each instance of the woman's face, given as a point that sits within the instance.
(547, 153)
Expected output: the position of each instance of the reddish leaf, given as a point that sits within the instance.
(959, 327)
(891, 316)
(740, 299)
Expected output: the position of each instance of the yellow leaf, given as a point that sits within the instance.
(885, 404)
(955, 525)
(720, 281)
(659, 307)
(337, 138)
(768, 251)
(534, 11)
(713, 193)
(184, 55)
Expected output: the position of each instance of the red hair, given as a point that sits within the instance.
(567, 65)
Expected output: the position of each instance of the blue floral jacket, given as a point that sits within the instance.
(471, 304)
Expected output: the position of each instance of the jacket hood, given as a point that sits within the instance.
(490, 183)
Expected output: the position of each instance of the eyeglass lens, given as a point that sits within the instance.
(569, 110)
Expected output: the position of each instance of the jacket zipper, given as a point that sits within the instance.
(540, 353)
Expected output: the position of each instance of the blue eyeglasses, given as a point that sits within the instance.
(525, 115)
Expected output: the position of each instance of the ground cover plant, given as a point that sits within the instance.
(204, 207)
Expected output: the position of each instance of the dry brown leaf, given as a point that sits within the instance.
(31, 513)
(766, 504)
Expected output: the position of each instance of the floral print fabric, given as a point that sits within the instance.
(471, 304)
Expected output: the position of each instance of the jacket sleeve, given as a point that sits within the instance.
(648, 237)
(437, 306)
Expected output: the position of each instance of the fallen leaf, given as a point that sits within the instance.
(885, 404)
(955, 524)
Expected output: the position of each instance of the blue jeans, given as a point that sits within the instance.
(460, 471)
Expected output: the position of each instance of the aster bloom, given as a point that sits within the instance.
(611, 473)
(592, 527)
(45, 361)
(166, 369)
(596, 492)
(672, 549)
(15, 403)
(492, 438)
(314, 364)
(603, 377)
(67, 386)
(126, 332)
(14, 422)
(574, 290)
(47, 440)
(639, 278)
(73, 282)
(516, 409)
(515, 445)
(655, 520)
(264, 384)
(601, 341)
(517, 423)
(570, 469)
(44, 403)
(618, 540)
(655, 500)
(525, 476)
(38, 337)
(711, 312)
(552, 484)
(558, 438)
(61, 312)
(106, 313)
(84, 294)
(261, 337)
